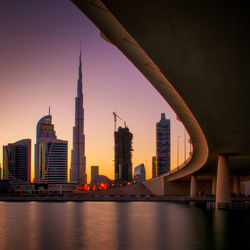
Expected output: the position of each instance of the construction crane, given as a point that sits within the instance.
(115, 119)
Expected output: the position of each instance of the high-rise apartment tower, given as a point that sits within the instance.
(51, 154)
(53, 157)
(163, 145)
(44, 133)
(154, 165)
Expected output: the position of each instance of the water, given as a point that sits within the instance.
(120, 225)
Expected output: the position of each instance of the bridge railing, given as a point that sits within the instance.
(172, 171)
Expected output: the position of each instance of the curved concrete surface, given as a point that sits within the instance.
(195, 53)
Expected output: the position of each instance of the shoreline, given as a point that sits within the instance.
(239, 203)
(105, 198)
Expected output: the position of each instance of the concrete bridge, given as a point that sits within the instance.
(196, 54)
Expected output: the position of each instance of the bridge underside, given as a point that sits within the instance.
(196, 54)
(202, 47)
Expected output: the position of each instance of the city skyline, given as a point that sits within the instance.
(39, 69)
(85, 124)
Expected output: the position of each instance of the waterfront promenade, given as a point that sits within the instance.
(126, 198)
(109, 197)
(207, 202)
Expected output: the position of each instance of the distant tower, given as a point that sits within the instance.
(53, 157)
(154, 165)
(44, 133)
(140, 173)
(94, 172)
(16, 161)
(163, 145)
(123, 155)
(78, 159)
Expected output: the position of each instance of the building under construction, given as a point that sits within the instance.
(123, 155)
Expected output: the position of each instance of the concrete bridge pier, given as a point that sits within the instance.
(214, 185)
(193, 186)
(236, 185)
(223, 193)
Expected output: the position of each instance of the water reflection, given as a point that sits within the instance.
(143, 231)
(89, 225)
(201, 236)
(32, 233)
(15, 227)
(120, 225)
(123, 230)
(98, 225)
(173, 224)
(232, 226)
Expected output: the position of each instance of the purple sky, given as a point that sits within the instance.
(39, 50)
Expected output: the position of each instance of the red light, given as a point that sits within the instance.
(83, 188)
(102, 185)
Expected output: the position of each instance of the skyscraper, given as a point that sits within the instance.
(94, 172)
(16, 161)
(123, 155)
(163, 145)
(53, 157)
(78, 159)
(154, 165)
(44, 133)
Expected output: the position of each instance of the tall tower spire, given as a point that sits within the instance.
(80, 64)
(79, 83)
(78, 159)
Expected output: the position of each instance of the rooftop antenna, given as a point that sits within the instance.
(49, 110)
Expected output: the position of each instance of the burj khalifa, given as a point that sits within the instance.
(78, 159)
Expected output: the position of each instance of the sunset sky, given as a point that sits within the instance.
(39, 51)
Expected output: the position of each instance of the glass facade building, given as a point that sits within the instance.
(139, 173)
(154, 164)
(53, 161)
(44, 133)
(163, 145)
(16, 161)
